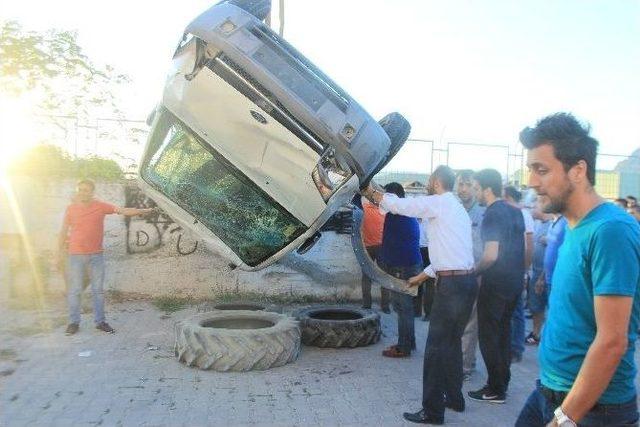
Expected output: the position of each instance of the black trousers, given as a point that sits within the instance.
(495, 309)
(442, 372)
(424, 300)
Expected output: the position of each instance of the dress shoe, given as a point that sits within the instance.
(394, 352)
(72, 328)
(421, 417)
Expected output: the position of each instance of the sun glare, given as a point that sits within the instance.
(17, 129)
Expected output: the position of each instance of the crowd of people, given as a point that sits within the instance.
(490, 255)
(479, 257)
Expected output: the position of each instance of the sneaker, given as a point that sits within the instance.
(72, 328)
(485, 394)
(104, 326)
(532, 339)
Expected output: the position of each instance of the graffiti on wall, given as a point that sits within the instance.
(154, 231)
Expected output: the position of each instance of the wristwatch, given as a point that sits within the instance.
(562, 419)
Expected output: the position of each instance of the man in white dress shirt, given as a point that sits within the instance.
(451, 254)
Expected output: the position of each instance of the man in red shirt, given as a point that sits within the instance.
(81, 238)
(372, 226)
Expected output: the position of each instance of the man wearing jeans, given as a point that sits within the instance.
(586, 353)
(81, 238)
(400, 256)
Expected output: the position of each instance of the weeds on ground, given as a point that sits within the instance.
(279, 299)
(171, 303)
(8, 354)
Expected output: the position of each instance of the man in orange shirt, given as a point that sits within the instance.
(81, 238)
(372, 226)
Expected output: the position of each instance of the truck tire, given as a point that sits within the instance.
(240, 305)
(258, 8)
(336, 326)
(237, 341)
(398, 129)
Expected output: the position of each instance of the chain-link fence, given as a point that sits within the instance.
(123, 141)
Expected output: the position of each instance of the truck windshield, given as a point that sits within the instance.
(201, 181)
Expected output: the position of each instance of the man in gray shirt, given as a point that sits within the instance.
(466, 194)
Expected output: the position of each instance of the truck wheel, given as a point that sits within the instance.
(237, 340)
(336, 326)
(240, 305)
(258, 8)
(398, 129)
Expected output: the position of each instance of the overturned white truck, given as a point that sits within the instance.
(253, 147)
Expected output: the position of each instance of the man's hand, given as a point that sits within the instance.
(368, 192)
(417, 280)
(373, 193)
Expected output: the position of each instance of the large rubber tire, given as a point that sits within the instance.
(240, 305)
(258, 8)
(398, 129)
(274, 340)
(338, 326)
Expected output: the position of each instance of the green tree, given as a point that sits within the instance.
(50, 161)
(53, 66)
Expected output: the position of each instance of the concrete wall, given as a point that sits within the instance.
(158, 257)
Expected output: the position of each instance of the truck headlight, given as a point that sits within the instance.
(329, 175)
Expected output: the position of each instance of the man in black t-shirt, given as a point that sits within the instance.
(501, 268)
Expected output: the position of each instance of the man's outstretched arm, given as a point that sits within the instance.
(134, 211)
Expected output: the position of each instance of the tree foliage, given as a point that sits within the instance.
(53, 67)
(50, 161)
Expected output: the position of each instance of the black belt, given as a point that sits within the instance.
(553, 396)
(557, 397)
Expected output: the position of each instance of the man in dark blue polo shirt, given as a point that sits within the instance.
(400, 256)
(587, 367)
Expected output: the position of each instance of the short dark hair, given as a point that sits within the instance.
(623, 202)
(632, 198)
(513, 192)
(88, 182)
(490, 178)
(446, 177)
(465, 174)
(568, 137)
(395, 188)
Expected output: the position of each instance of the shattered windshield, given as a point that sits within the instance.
(188, 171)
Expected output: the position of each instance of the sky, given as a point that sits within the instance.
(459, 70)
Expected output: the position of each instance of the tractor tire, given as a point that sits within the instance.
(258, 8)
(240, 305)
(336, 326)
(398, 129)
(237, 341)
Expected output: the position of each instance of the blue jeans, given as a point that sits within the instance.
(538, 411)
(403, 306)
(517, 328)
(77, 265)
